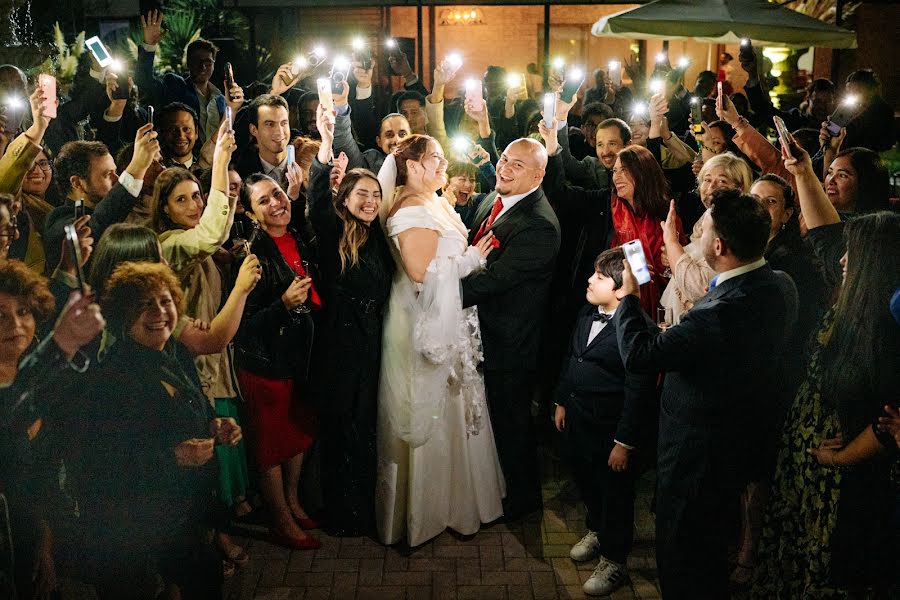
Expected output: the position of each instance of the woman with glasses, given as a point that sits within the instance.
(35, 187)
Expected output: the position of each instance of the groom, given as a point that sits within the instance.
(511, 295)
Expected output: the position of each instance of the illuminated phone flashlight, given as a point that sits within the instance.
(657, 85)
(454, 60)
(695, 100)
(613, 65)
(638, 109)
(683, 62)
(390, 44)
(461, 144)
(341, 63)
(850, 100)
(661, 57)
(116, 65)
(745, 41)
(575, 74)
(358, 43)
(559, 63)
(300, 63)
(319, 51)
(14, 102)
(513, 80)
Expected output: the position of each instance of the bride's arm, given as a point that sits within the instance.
(418, 247)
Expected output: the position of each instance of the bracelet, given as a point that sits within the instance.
(741, 123)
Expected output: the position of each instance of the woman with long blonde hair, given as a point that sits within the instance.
(355, 274)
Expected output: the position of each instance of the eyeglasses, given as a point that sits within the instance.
(43, 165)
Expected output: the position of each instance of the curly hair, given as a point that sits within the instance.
(20, 282)
(129, 285)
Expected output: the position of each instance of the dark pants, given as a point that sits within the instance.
(693, 527)
(608, 496)
(509, 402)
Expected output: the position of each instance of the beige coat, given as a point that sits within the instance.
(14, 165)
(690, 278)
(189, 253)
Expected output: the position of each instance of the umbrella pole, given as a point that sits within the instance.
(709, 57)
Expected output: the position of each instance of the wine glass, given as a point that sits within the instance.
(301, 266)
(664, 317)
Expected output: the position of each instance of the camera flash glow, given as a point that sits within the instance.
(471, 83)
(341, 63)
(390, 43)
(683, 62)
(558, 63)
(657, 85)
(319, 51)
(115, 66)
(460, 143)
(694, 99)
(661, 57)
(358, 43)
(850, 100)
(454, 59)
(638, 108)
(513, 80)
(575, 74)
(14, 102)
(745, 41)
(613, 65)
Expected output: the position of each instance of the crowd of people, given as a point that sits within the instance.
(361, 318)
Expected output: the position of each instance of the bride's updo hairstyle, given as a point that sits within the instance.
(411, 148)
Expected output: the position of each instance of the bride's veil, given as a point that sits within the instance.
(387, 177)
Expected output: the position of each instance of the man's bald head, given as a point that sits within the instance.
(521, 167)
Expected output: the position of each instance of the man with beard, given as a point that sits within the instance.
(178, 135)
(86, 171)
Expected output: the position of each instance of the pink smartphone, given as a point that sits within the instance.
(326, 97)
(475, 94)
(719, 103)
(47, 83)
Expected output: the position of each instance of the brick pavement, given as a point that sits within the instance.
(527, 561)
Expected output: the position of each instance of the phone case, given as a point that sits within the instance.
(48, 85)
(549, 109)
(634, 252)
(326, 98)
(475, 94)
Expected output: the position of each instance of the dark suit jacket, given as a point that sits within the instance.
(595, 387)
(721, 363)
(114, 208)
(511, 293)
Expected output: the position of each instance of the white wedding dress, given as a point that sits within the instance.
(437, 461)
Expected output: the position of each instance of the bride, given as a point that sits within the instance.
(437, 462)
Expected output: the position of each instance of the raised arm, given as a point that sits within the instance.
(343, 134)
(815, 206)
(20, 154)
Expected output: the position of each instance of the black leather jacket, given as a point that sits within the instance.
(273, 341)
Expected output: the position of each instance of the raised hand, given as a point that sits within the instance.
(479, 155)
(295, 180)
(549, 134)
(152, 26)
(79, 323)
(727, 111)
(225, 144)
(284, 79)
(249, 274)
(146, 150)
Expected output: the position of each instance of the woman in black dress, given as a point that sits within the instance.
(355, 279)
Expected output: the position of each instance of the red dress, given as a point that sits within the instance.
(281, 425)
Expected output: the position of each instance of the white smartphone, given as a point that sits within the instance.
(291, 154)
(549, 109)
(614, 72)
(98, 50)
(634, 252)
(475, 94)
(48, 84)
(229, 116)
(326, 98)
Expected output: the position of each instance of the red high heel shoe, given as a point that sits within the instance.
(282, 539)
(305, 522)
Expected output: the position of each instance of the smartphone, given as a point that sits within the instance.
(719, 94)
(99, 51)
(79, 209)
(843, 115)
(634, 252)
(291, 154)
(47, 83)
(614, 72)
(229, 116)
(150, 114)
(340, 71)
(122, 92)
(549, 109)
(574, 79)
(746, 52)
(697, 115)
(364, 56)
(75, 256)
(326, 98)
(462, 145)
(475, 94)
(229, 80)
(784, 136)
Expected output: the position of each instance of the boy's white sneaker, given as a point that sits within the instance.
(606, 578)
(587, 549)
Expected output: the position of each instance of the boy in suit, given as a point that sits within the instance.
(606, 417)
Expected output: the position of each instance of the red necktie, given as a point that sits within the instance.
(495, 210)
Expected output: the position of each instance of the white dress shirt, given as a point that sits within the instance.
(597, 326)
(726, 275)
(510, 201)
